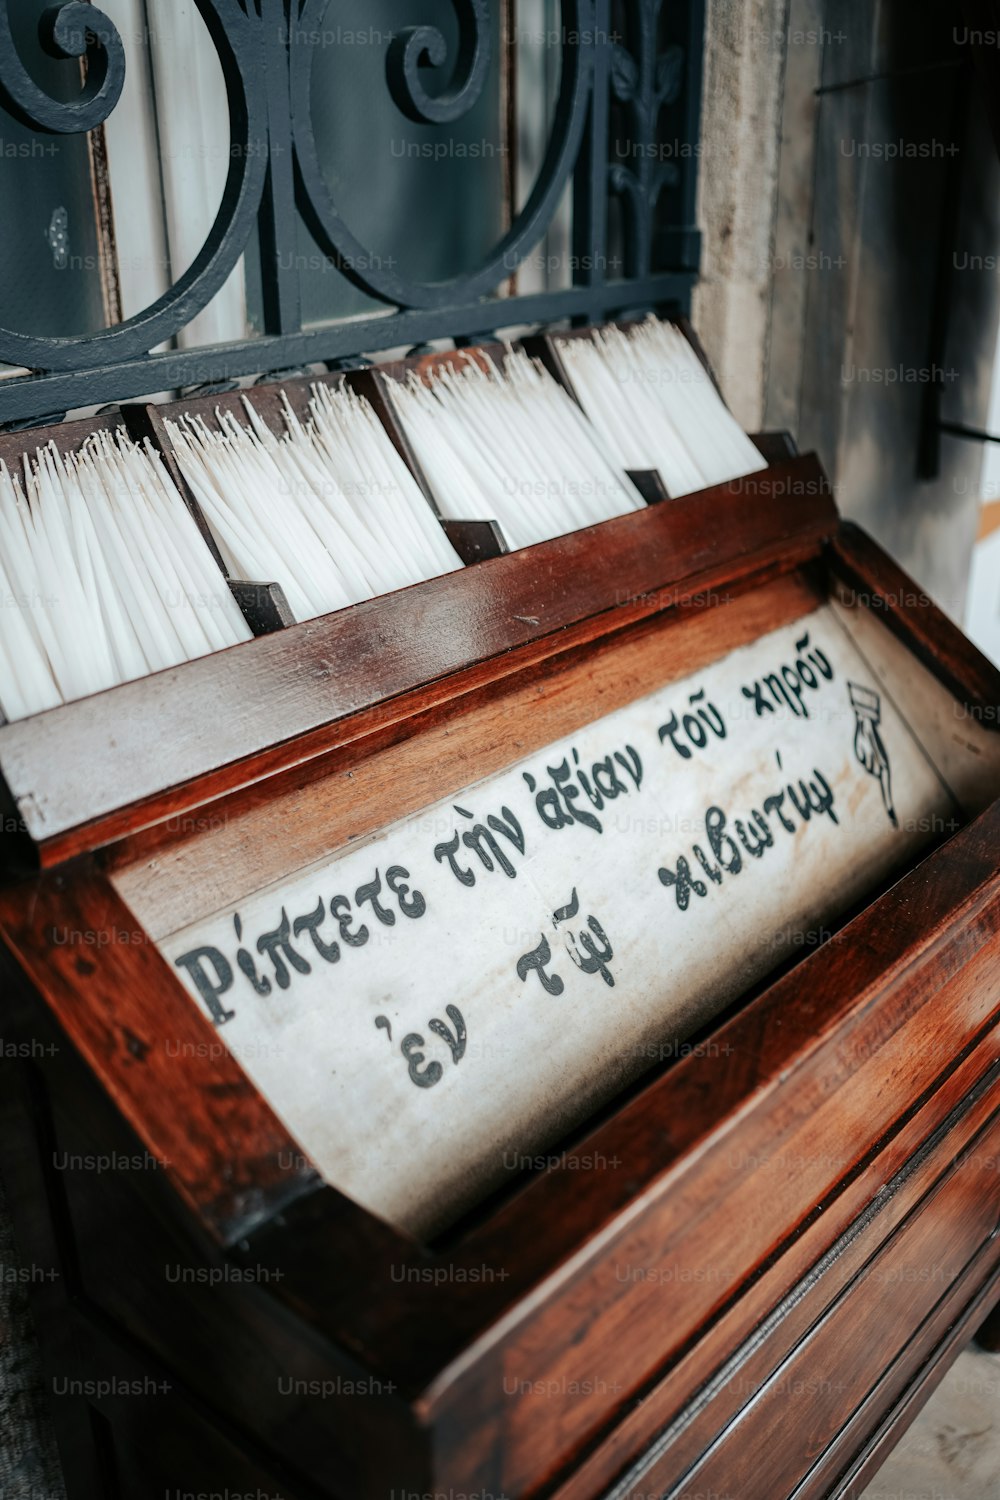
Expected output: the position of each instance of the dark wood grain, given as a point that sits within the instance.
(871, 1454)
(155, 1286)
(775, 447)
(268, 400)
(948, 1232)
(937, 1345)
(815, 1269)
(173, 873)
(876, 582)
(264, 605)
(121, 1005)
(649, 484)
(68, 437)
(44, 1238)
(474, 541)
(892, 1194)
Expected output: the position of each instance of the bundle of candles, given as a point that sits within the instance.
(511, 445)
(104, 576)
(327, 509)
(655, 406)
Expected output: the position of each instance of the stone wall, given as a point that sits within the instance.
(851, 214)
(738, 194)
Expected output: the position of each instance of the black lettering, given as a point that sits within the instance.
(715, 824)
(597, 959)
(412, 906)
(211, 987)
(340, 910)
(670, 729)
(773, 805)
(369, 892)
(683, 883)
(763, 837)
(447, 851)
(310, 923)
(278, 947)
(633, 767)
(536, 960)
(611, 787)
(430, 1075)
(756, 695)
(455, 1040)
(695, 731)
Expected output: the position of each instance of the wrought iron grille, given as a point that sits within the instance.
(636, 62)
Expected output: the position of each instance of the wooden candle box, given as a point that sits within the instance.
(774, 447)
(782, 1128)
(373, 383)
(263, 603)
(676, 1295)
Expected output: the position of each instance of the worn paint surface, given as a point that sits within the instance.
(429, 1009)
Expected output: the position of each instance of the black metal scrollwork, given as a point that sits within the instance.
(356, 260)
(237, 38)
(65, 31)
(419, 47)
(645, 83)
(275, 173)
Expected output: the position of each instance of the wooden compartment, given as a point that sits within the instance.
(773, 447)
(263, 602)
(813, 1156)
(366, 655)
(263, 606)
(472, 540)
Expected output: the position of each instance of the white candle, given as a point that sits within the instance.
(510, 445)
(656, 407)
(327, 509)
(106, 576)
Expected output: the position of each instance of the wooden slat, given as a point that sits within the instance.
(91, 771)
(793, 1284)
(875, 582)
(845, 1068)
(68, 437)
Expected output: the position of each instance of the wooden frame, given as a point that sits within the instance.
(872, 1066)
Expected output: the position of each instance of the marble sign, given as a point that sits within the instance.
(430, 1010)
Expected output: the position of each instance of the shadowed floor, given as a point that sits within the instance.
(952, 1451)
